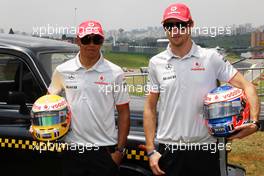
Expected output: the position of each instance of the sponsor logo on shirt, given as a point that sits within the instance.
(71, 76)
(197, 67)
(71, 81)
(102, 81)
(169, 77)
(168, 67)
(71, 87)
(169, 70)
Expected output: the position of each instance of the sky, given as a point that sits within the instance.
(24, 15)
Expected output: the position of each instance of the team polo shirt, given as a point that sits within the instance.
(182, 84)
(92, 95)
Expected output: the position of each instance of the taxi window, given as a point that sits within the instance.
(16, 77)
(51, 60)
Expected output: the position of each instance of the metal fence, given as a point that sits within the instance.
(256, 76)
(137, 82)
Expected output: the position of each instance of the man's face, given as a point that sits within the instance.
(90, 45)
(178, 32)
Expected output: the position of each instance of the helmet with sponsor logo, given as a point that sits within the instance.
(50, 118)
(225, 108)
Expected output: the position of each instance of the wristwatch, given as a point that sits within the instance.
(120, 149)
(256, 123)
(149, 154)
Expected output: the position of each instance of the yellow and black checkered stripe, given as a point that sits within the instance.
(31, 145)
(136, 155)
(131, 154)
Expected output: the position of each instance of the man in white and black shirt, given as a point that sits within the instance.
(180, 77)
(89, 81)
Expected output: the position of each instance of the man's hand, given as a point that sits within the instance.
(117, 157)
(32, 132)
(123, 130)
(244, 130)
(154, 164)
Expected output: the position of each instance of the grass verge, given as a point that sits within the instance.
(249, 153)
(128, 60)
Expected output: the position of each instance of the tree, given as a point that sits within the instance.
(110, 39)
(64, 37)
(11, 31)
(120, 30)
(121, 33)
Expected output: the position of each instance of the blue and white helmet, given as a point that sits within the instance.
(225, 108)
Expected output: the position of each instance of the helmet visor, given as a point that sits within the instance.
(49, 118)
(222, 109)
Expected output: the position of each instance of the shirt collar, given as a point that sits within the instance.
(98, 66)
(194, 52)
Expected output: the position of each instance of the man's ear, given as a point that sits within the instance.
(191, 23)
(102, 43)
(78, 41)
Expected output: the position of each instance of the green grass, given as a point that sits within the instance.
(133, 60)
(128, 60)
(136, 85)
(249, 153)
(231, 57)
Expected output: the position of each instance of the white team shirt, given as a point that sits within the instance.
(92, 99)
(182, 84)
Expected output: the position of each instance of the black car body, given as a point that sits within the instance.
(26, 65)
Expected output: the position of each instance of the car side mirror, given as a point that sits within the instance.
(18, 98)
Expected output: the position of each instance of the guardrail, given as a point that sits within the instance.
(138, 81)
(256, 76)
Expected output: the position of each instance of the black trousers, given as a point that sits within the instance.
(189, 162)
(89, 163)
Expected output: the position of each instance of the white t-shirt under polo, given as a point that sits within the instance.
(92, 95)
(182, 84)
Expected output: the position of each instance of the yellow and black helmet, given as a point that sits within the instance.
(50, 118)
